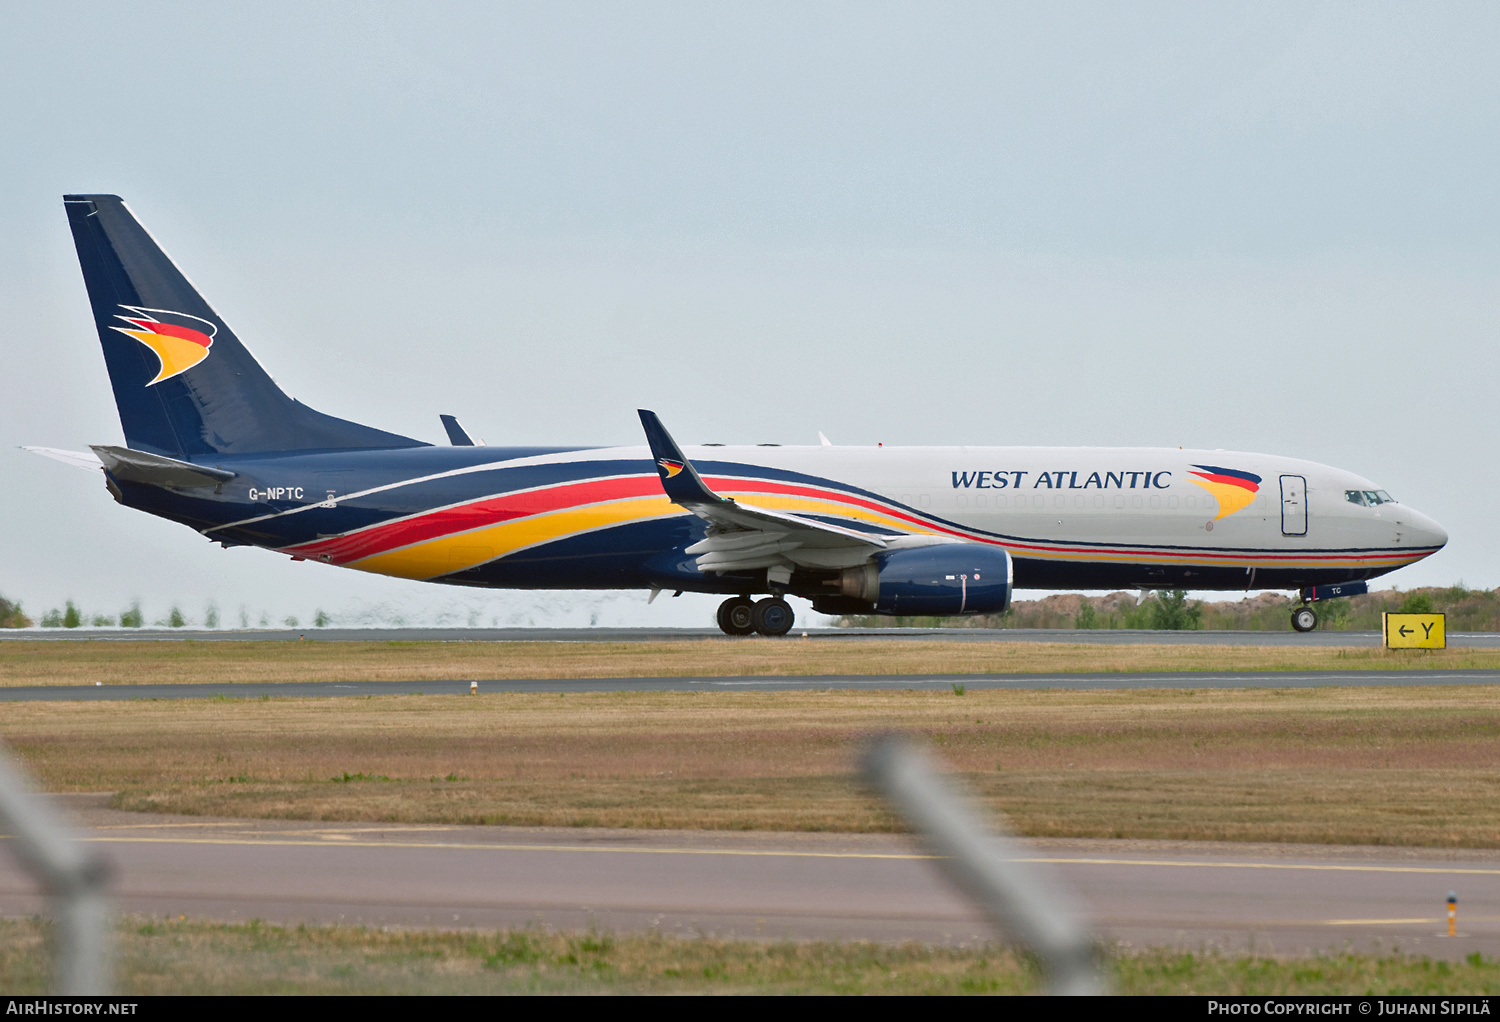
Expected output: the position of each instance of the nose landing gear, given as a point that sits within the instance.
(740, 615)
(1304, 618)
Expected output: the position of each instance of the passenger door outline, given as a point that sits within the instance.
(1293, 506)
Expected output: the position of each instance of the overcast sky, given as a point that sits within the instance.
(1263, 227)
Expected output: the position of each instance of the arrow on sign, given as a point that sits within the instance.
(1404, 631)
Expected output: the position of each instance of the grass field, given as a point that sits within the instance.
(157, 956)
(1404, 766)
(122, 662)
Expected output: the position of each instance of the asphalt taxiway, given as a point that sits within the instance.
(768, 683)
(1281, 898)
(1117, 636)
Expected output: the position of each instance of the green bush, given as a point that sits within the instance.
(71, 616)
(1416, 603)
(1087, 617)
(101, 621)
(52, 619)
(11, 616)
(132, 618)
(1136, 616)
(1172, 612)
(321, 619)
(1334, 615)
(211, 616)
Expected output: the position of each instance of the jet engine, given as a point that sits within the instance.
(953, 578)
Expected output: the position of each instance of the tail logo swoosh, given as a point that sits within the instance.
(178, 340)
(669, 467)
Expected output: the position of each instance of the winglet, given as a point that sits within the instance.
(457, 435)
(679, 478)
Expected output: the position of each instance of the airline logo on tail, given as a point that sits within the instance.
(1234, 490)
(669, 468)
(180, 341)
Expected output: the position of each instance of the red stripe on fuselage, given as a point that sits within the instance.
(493, 510)
(489, 511)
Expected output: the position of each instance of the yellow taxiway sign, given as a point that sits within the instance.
(1414, 631)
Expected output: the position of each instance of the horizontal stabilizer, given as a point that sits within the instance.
(78, 459)
(155, 470)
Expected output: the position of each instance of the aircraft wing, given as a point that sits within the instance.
(742, 537)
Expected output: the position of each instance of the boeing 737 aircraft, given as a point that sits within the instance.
(213, 443)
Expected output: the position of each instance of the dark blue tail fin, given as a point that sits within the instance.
(183, 382)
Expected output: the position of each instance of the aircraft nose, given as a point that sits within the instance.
(1423, 531)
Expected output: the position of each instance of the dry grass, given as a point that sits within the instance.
(1390, 765)
(181, 956)
(42, 662)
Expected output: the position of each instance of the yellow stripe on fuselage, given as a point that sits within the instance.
(806, 505)
(812, 506)
(446, 554)
(434, 557)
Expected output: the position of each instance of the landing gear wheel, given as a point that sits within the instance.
(1304, 619)
(737, 615)
(773, 616)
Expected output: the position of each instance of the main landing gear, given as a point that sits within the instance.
(1304, 618)
(741, 615)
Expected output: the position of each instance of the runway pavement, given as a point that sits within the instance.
(1142, 680)
(1102, 636)
(771, 885)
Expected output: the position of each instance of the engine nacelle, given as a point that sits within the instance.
(954, 578)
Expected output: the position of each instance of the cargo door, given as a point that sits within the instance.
(1293, 506)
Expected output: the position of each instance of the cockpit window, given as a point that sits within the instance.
(1385, 498)
(1355, 497)
(1368, 498)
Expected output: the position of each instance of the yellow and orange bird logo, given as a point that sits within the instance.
(180, 341)
(669, 467)
(1232, 488)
